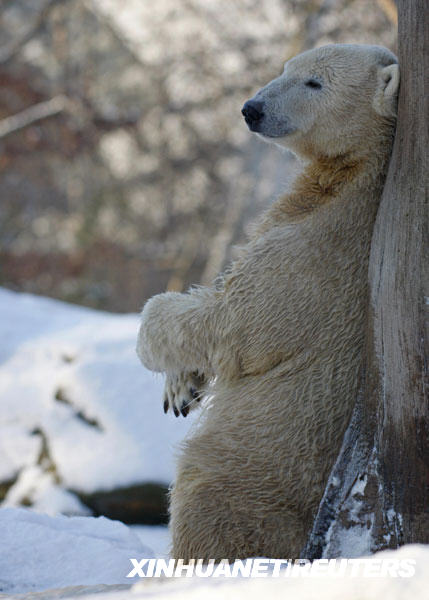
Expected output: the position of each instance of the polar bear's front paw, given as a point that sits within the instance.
(182, 392)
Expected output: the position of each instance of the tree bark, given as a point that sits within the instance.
(378, 492)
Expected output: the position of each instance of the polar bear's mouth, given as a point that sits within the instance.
(263, 134)
(260, 121)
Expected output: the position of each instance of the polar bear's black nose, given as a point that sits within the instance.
(252, 112)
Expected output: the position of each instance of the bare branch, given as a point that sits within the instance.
(10, 51)
(106, 22)
(35, 113)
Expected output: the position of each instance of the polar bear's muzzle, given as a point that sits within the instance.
(253, 114)
(263, 118)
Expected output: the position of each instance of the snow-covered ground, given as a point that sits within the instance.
(78, 556)
(38, 552)
(78, 410)
(156, 537)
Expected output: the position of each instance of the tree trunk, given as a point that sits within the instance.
(378, 492)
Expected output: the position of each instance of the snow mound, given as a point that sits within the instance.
(311, 588)
(38, 552)
(79, 412)
(83, 556)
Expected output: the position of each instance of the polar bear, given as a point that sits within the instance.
(280, 334)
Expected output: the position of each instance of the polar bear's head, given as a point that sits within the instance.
(327, 101)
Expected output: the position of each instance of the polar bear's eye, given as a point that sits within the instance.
(312, 83)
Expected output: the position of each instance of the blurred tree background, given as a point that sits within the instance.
(125, 165)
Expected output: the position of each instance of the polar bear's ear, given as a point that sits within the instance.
(386, 93)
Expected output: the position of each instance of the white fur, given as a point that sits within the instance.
(282, 331)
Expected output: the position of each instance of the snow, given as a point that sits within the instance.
(76, 556)
(156, 537)
(355, 539)
(45, 495)
(79, 412)
(311, 588)
(38, 552)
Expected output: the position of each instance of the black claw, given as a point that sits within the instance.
(166, 405)
(195, 394)
(184, 410)
(176, 411)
